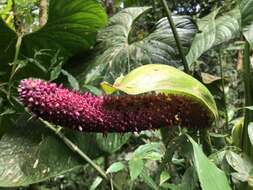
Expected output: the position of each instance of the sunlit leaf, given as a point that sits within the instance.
(96, 183)
(166, 79)
(164, 177)
(115, 167)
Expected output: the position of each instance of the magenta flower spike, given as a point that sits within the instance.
(123, 113)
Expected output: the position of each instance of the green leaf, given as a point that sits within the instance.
(111, 142)
(189, 179)
(71, 25)
(72, 81)
(135, 168)
(96, 183)
(56, 71)
(170, 186)
(118, 53)
(150, 151)
(168, 80)
(8, 40)
(249, 107)
(164, 177)
(115, 167)
(5, 10)
(30, 153)
(214, 31)
(210, 177)
(149, 180)
(8, 111)
(71, 28)
(238, 163)
(92, 89)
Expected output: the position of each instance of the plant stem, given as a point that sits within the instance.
(17, 50)
(17, 22)
(76, 149)
(106, 162)
(248, 80)
(43, 12)
(176, 36)
(224, 97)
(15, 63)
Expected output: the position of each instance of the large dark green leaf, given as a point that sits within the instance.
(8, 40)
(120, 54)
(246, 7)
(217, 30)
(214, 31)
(71, 27)
(30, 153)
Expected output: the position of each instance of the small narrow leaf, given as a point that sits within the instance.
(72, 81)
(92, 89)
(151, 151)
(56, 71)
(164, 177)
(96, 183)
(115, 167)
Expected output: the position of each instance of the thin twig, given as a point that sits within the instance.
(77, 150)
(176, 36)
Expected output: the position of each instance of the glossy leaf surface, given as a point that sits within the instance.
(121, 54)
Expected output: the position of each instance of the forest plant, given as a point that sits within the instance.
(23, 147)
(124, 113)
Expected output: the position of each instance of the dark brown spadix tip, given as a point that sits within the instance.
(124, 113)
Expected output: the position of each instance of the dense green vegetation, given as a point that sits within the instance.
(154, 95)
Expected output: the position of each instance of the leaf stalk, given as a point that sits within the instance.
(176, 36)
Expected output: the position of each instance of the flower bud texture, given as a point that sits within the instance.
(123, 113)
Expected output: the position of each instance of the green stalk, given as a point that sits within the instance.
(176, 36)
(248, 81)
(17, 50)
(15, 64)
(224, 97)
